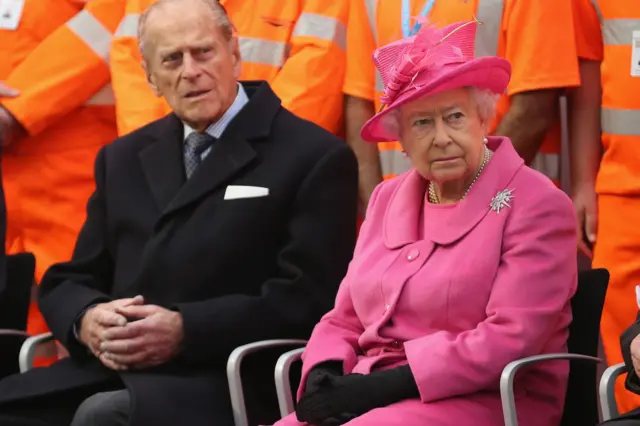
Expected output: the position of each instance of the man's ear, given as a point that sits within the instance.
(237, 57)
(150, 78)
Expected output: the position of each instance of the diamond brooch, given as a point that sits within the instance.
(502, 200)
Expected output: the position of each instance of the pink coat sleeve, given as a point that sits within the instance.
(335, 337)
(536, 278)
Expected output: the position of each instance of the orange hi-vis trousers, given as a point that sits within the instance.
(618, 250)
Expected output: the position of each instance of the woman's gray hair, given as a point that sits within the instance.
(220, 16)
(485, 100)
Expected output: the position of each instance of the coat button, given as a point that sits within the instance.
(386, 307)
(413, 255)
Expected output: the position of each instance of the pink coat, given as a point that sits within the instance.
(458, 295)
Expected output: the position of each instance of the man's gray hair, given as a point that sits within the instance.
(485, 100)
(220, 16)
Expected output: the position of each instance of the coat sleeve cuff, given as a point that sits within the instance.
(192, 334)
(62, 323)
(432, 385)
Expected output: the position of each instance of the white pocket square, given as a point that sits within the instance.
(234, 192)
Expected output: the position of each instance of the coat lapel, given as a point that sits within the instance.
(496, 177)
(233, 151)
(402, 219)
(162, 160)
(401, 225)
(228, 156)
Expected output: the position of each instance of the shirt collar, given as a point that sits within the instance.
(217, 128)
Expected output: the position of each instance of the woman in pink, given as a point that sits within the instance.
(463, 264)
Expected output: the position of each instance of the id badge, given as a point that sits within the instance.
(10, 14)
(635, 54)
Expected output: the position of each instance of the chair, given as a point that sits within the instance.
(14, 308)
(608, 404)
(580, 406)
(282, 376)
(234, 364)
(29, 349)
(234, 367)
(16, 295)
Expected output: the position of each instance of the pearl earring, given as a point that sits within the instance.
(485, 141)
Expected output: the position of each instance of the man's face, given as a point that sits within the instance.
(191, 63)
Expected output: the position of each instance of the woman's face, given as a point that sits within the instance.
(443, 135)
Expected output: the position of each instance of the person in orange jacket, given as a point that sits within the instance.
(607, 169)
(298, 46)
(536, 36)
(55, 55)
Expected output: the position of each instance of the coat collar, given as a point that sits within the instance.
(162, 161)
(405, 208)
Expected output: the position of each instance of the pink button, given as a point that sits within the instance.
(413, 255)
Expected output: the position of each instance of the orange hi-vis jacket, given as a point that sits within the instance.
(298, 46)
(535, 36)
(609, 31)
(57, 58)
(620, 168)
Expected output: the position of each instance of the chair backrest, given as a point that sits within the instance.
(581, 406)
(14, 299)
(15, 296)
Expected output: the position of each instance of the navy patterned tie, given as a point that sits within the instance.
(194, 146)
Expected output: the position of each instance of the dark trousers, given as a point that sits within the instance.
(632, 418)
(62, 409)
(102, 409)
(101, 406)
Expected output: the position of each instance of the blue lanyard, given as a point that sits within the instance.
(407, 31)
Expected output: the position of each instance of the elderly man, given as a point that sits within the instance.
(228, 222)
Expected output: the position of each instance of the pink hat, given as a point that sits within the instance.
(432, 61)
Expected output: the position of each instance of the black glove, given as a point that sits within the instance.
(339, 399)
(330, 403)
(317, 376)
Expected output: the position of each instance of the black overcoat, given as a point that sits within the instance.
(239, 270)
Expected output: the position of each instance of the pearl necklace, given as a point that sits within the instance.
(433, 196)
